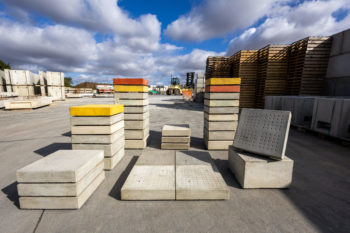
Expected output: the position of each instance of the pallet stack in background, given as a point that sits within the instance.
(212, 67)
(199, 88)
(99, 127)
(221, 107)
(308, 61)
(133, 94)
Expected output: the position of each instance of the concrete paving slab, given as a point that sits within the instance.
(130, 81)
(136, 134)
(136, 143)
(136, 124)
(223, 89)
(109, 120)
(221, 117)
(221, 110)
(264, 132)
(133, 109)
(217, 145)
(176, 139)
(96, 110)
(133, 102)
(97, 129)
(223, 81)
(176, 130)
(220, 125)
(150, 183)
(131, 88)
(109, 149)
(136, 116)
(213, 135)
(193, 158)
(130, 95)
(156, 158)
(62, 202)
(110, 163)
(60, 166)
(59, 189)
(27, 104)
(253, 171)
(221, 103)
(175, 146)
(222, 96)
(99, 138)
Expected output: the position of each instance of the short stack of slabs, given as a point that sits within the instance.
(133, 94)
(197, 177)
(99, 127)
(257, 156)
(221, 107)
(151, 178)
(176, 137)
(62, 180)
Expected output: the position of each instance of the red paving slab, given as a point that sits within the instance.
(130, 81)
(230, 88)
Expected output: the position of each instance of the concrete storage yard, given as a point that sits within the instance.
(317, 201)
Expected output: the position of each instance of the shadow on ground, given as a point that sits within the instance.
(116, 190)
(67, 134)
(11, 192)
(53, 147)
(191, 106)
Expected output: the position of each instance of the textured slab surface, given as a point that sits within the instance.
(175, 146)
(220, 110)
(264, 132)
(62, 202)
(97, 129)
(156, 158)
(223, 89)
(221, 103)
(150, 183)
(59, 189)
(223, 81)
(176, 139)
(221, 117)
(130, 88)
(220, 125)
(253, 171)
(130, 81)
(100, 138)
(61, 166)
(86, 120)
(221, 96)
(176, 130)
(109, 149)
(193, 158)
(96, 110)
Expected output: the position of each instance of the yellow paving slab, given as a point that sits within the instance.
(223, 81)
(96, 110)
(130, 88)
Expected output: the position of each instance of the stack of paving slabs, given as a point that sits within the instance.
(170, 175)
(221, 107)
(62, 180)
(176, 137)
(99, 127)
(257, 156)
(133, 94)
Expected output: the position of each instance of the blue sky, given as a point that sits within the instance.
(95, 40)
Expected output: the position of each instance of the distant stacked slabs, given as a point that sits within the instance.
(99, 127)
(221, 108)
(176, 137)
(133, 94)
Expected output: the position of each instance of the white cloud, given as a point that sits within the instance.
(288, 24)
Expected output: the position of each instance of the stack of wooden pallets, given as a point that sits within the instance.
(214, 66)
(308, 61)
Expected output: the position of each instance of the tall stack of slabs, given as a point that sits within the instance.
(200, 83)
(257, 156)
(19, 81)
(54, 84)
(99, 127)
(176, 137)
(221, 107)
(133, 94)
(62, 180)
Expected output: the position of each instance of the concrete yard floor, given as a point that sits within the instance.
(317, 201)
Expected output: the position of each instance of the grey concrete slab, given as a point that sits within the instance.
(181, 130)
(221, 117)
(126, 102)
(109, 149)
(97, 129)
(213, 135)
(156, 158)
(61, 166)
(130, 95)
(137, 116)
(110, 120)
(111, 162)
(221, 96)
(217, 145)
(220, 125)
(138, 109)
(142, 124)
(62, 202)
(60, 189)
(193, 158)
(99, 138)
(28, 104)
(264, 132)
(136, 134)
(175, 146)
(176, 139)
(221, 103)
(220, 110)
(136, 143)
(254, 171)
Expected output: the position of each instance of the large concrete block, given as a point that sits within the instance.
(221, 117)
(133, 109)
(136, 134)
(219, 135)
(60, 189)
(221, 110)
(264, 132)
(136, 124)
(108, 120)
(111, 162)
(96, 110)
(221, 103)
(61, 166)
(136, 116)
(221, 96)
(62, 202)
(220, 125)
(182, 130)
(97, 129)
(136, 143)
(130, 95)
(150, 183)
(175, 146)
(109, 149)
(133, 102)
(99, 138)
(176, 139)
(253, 171)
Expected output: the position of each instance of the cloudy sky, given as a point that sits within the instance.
(96, 40)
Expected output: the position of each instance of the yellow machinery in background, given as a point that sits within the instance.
(174, 88)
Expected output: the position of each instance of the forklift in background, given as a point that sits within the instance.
(188, 88)
(174, 88)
